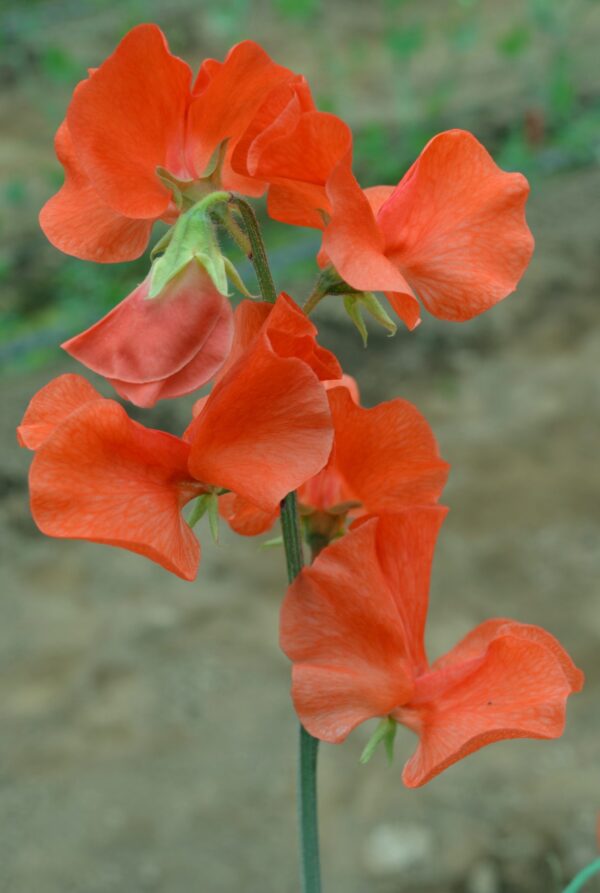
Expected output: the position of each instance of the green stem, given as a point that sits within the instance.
(258, 255)
(309, 746)
(292, 541)
(583, 877)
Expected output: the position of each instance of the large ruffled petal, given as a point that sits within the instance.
(387, 455)
(455, 227)
(158, 348)
(103, 477)
(226, 105)
(513, 685)
(340, 627)
(129, 118)
(289, 331)
(265, 428)
(54, 403)
(77, 221)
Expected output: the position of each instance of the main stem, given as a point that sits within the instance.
(292, 541)
(309, 746)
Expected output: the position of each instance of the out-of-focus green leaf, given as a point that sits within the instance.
(515, 41)
(405, 42)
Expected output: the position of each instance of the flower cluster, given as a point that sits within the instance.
(144, 141)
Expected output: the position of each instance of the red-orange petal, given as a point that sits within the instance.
(52, 405)
(245, 518)
(265, 428)
(158, 348)
(340, 628)
(226, 105)
(129, 118)
(105, 478)
(354, 244)
(455, 227)
(515, 688)
(77, 221)
(387, 455)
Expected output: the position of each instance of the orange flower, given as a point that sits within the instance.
(452, 232)
(383, 459)
(139, 111)
(353, 625)
(100, 476)
(157, 348)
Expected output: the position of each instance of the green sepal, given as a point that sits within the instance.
(193, 238)
(356, 302)
(372, 306)
(272, 544)
(237, 280)
(352, 307)
(207, 504)
(386, 732)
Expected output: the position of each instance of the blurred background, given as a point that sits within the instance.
(147, 739)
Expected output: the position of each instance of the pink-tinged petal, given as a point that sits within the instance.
(346, 381)
(103, 477)
(340, 627)
(387, 455)
(52, 405)
(129, 118)
(455, 227)
(405, 547)
(265, 428)
(154, 348)
(77, 221)
(245, 518)
(516, 689)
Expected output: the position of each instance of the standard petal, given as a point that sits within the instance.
(265, 428)
(52, 405)
(405, 547)
(516, 689)
(387, 455)
(129, 118)
(455, 227)
(105, 478)
(161, 347)
(340, 628)
(77, 221)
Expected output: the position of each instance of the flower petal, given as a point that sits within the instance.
(129, 118)
(264, 429)
(245, 518)
(340, 627)
(516, 688)
(405, 547)
(455, 227)
(52, 405)
(77, 221)
(105, 478)
(151, 349)
(387, 455)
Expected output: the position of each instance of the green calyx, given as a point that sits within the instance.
(192, 238)
(355, 303)
(386, 732)
(207, 504)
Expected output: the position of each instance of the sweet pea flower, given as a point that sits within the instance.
(383, 459)
(140, 114)
(451, 234)
(100, 476)
(353, 625)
